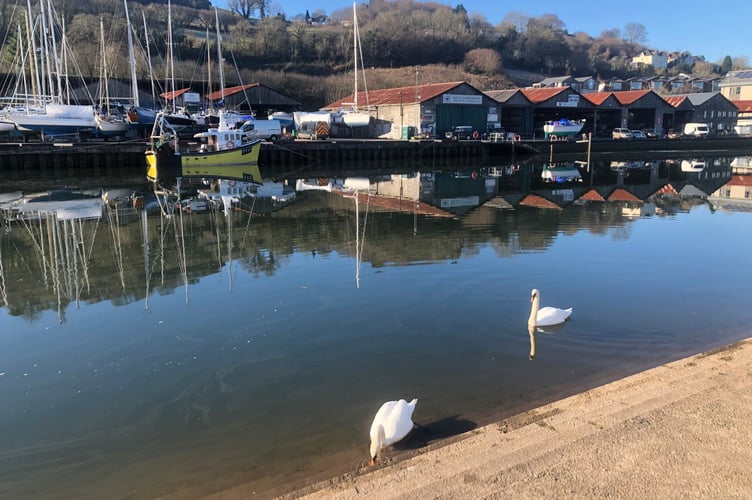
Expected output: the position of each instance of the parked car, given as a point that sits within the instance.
(650, 133)
(621, 133)
(638, 134)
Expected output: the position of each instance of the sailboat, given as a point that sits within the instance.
(111, 122)
(355, 117)
(229, 151)
(137, 115)
(49, 114)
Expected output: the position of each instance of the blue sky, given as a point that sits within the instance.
(701, 27)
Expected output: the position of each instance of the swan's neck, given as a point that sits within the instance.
(377, 441)
(534, 311)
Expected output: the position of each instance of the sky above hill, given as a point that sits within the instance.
(714, 30)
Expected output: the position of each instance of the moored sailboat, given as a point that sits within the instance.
(356, 117)
(228, 151)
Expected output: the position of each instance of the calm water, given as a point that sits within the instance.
(148, 356)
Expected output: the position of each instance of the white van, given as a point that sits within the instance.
(696, 130)
(262, 129)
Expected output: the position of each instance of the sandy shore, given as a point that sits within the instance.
(679, 430)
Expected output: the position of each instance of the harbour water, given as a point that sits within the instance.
(146, 355)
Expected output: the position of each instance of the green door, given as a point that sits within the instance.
(449, 116)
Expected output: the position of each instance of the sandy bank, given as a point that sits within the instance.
(683, 429)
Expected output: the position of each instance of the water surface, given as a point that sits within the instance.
(180, 356)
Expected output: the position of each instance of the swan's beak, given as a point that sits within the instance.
(532, 298)
(372, 462)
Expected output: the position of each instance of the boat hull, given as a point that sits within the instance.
(562, 129)
(356, 119)
(240, 164)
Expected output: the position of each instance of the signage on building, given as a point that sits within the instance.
(462, 99)
(192, 97)
(466, 201)
(571, 102)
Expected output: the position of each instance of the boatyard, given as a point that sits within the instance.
(19, 158)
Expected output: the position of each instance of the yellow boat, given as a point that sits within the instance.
(227, 154)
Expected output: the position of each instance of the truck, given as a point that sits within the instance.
(696, 129)
(270, 130)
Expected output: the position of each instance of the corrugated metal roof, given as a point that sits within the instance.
(740, 180)
(230, 91)
(592, 195)
(533, 200)
(537, 96)
(597, 98)
(622, 195)
(675, 100)
(175, 93)
(505, 96)
(668, 189)
(396, 96)
(743, 106)
(626, 97)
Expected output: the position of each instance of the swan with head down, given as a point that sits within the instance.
(545, 316)
(392, 423)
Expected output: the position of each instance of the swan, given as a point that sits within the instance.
(545, 316)
(392, 423)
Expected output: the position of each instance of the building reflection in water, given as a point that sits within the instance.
(61, 252)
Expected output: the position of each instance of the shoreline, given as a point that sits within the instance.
(682, 427)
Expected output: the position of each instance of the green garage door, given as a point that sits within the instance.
(449, 116)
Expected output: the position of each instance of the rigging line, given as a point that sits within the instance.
(365, 221)
(183, 260)
(3, 291)
(248, 223)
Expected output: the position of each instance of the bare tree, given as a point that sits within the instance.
(247, 8)
(517, 21)
(486, 61)
(635, 34)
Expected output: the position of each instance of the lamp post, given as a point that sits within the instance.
(417, 99)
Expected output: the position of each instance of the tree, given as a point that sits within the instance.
(740, 62)
(247, 8)
(726, 65)
(635, 34)
(483, 61)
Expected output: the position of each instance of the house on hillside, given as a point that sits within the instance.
(737, 85)
(612, 85)
(581, 84)
(655, 58)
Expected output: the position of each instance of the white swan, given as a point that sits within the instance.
(545, 316)
(392, 422)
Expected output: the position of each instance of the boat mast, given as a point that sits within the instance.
(355, 51)
(219, 59)
(54, 53)
(33, 72)
(148, 59)
(131, 57)
(208, 67)
(171, 64)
